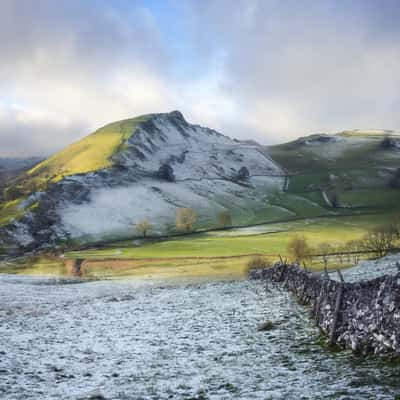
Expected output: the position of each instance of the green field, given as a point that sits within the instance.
(223, 254)
(225, 251)
(269, 239)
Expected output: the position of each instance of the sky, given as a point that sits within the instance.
(268, 70)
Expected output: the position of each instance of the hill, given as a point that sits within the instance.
(100, 187)
(353, 170)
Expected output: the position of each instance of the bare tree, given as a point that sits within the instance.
(379, 240)
(225, 218)
(185, 219)
(353, 247)
(340, 250)
(298, 248)
(144, 227)
(324, 250)
(347, 246)
(396, 226)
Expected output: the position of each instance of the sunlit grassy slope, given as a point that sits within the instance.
(9, 210)
(92, 153)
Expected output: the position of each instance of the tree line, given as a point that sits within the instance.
(377, 241)
(185, 221)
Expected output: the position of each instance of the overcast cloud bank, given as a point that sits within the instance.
(267, 70)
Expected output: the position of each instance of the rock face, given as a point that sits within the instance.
(362, 316)
(165, 163)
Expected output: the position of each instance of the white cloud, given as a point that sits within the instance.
(295, 67)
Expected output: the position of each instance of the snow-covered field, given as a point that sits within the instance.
(113, 212)
(176, 340)
(372, 269)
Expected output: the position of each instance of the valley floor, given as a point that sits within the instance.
(224, 253)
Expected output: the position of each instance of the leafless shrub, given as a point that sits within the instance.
(379, 240)
(298, 248)
(258, 262)
(144, 227)
(324, 250)
(185, 219)
(225, 218)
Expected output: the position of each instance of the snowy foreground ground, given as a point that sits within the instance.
(176, 340)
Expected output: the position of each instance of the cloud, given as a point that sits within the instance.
(266, 69)
(300, 66)
(73, 68)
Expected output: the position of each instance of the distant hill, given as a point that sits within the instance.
(12, 167)
(358, 170)
(348, 149)
(10, 163)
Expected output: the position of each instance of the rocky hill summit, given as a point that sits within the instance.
(99, 188)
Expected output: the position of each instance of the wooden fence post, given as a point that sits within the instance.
(332, 335)
(340, 275)
(319, 301)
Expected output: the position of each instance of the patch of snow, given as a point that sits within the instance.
(113, 212)
(326, 199)
(371, 269)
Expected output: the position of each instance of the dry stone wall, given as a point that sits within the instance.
(362, 316)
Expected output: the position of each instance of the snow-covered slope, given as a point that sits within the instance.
(200, 168)
(195, 152)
